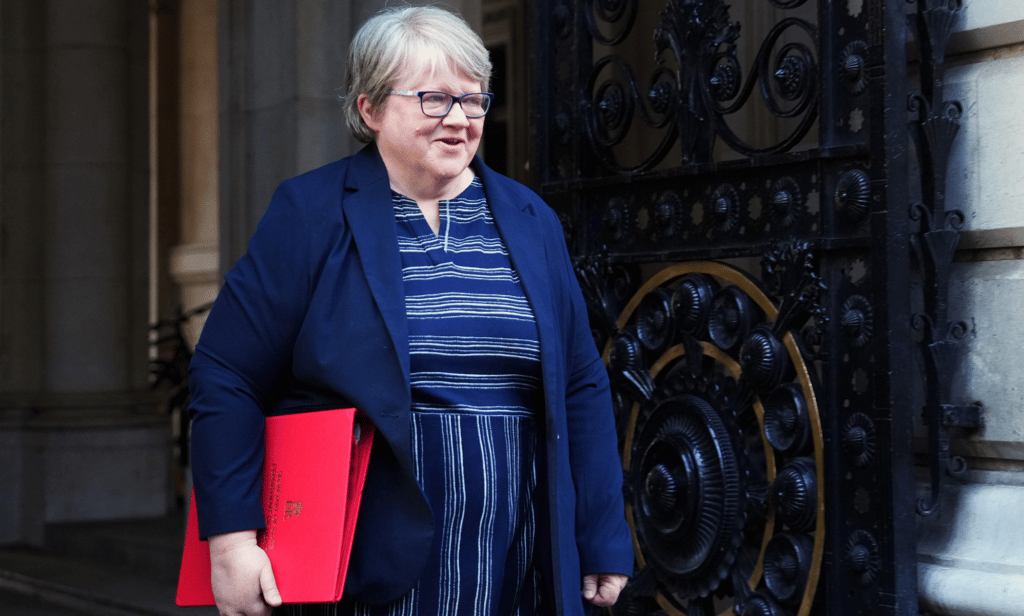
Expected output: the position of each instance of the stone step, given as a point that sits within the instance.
(88, 587)
(148, 549)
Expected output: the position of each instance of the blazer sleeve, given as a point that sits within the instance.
(602, 536)
(241, 362)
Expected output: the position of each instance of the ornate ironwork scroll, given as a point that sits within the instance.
(933, 131)
(698, 83)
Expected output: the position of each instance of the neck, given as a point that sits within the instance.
(428, 190)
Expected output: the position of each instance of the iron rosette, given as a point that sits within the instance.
(722, 446)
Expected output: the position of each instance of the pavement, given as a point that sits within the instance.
(122, 568)
(29, 605)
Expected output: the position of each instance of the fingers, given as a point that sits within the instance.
(268, 585)
(604, 588)
(590, 586)
(261, 609)
(242, 579)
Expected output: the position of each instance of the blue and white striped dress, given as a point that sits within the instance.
(476, 391)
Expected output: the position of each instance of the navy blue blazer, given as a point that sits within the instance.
(313, 317)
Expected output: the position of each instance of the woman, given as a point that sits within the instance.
(437, 297)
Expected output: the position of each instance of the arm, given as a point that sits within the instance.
(602, 536)
(241, 361)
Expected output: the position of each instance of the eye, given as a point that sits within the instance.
(436, 98)
(476, 105)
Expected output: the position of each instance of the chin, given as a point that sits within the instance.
(452, 168)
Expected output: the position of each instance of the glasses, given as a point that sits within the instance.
(438, 104)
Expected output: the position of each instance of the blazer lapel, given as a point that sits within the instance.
(523, 235)
(370, 216)
(524, 240)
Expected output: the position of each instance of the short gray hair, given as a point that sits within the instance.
(397, 39)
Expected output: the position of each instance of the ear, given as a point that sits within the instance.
(370, 116)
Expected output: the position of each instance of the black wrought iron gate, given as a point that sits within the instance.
(740, 208)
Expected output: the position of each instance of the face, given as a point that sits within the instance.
(418, 149)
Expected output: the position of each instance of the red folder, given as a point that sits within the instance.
(313, 476)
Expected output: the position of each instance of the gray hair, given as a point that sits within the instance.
(398, 39)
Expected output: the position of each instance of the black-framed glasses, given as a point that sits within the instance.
(438, 104)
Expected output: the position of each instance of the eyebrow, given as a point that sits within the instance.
(448, 90)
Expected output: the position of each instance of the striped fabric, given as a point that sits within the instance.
(476, 389)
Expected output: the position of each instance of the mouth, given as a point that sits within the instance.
(450, 141)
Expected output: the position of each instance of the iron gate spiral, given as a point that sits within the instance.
(722, 448)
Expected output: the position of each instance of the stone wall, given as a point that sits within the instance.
(971, 557)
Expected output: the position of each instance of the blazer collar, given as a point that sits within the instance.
(515, 215)
(368, 211)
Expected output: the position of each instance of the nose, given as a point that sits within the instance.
(455, 117)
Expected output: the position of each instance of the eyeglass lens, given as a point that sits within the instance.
(439, 103)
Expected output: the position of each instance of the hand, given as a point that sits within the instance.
(602, 589)
(243, 582)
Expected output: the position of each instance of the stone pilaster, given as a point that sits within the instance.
(78, 436)
(22, 182)
(194, 262)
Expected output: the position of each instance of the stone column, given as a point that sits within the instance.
(74, 380)
(22, 182)
(194, 262)
(280, 69)
(109, 455)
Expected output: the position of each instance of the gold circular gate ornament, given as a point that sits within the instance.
(707, 494)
